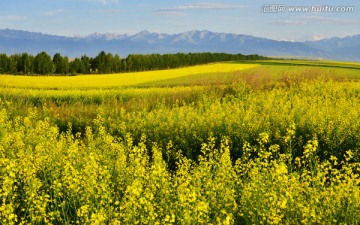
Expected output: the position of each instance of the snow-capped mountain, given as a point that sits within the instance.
(17, 41)
(105, 36)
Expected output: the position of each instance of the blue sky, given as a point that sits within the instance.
(83, 17)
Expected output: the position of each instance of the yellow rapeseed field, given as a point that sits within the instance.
(287, 152)
(116, 80)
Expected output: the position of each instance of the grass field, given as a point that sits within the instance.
(265, 142)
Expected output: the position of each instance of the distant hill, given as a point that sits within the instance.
(348, 47)
(16, 41)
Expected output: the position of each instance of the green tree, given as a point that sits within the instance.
(7, 64)
(3, 63)
(109, 63)
(18, 62)
(61, 64)
(85, 64)
(43, 63)
(103, 62)
(76, 66)
(117, 64)
(27, 63)
(11, 65)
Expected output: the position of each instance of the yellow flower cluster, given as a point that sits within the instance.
(52, 178)
(185, 155)
(117, 80)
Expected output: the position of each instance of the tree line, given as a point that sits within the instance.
(43, 63)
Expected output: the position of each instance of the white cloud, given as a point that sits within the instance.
(12, 18)
(308, 20)
(105, 2)
(318, 37)
(112, 11)
(290, 22)
(335, 21)
(54, 12)
(172, 13)
(211, 6)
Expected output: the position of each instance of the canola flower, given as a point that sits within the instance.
(116, 80)
(52, 178)
(231, 155)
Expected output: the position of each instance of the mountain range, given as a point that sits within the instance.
(18, 41)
